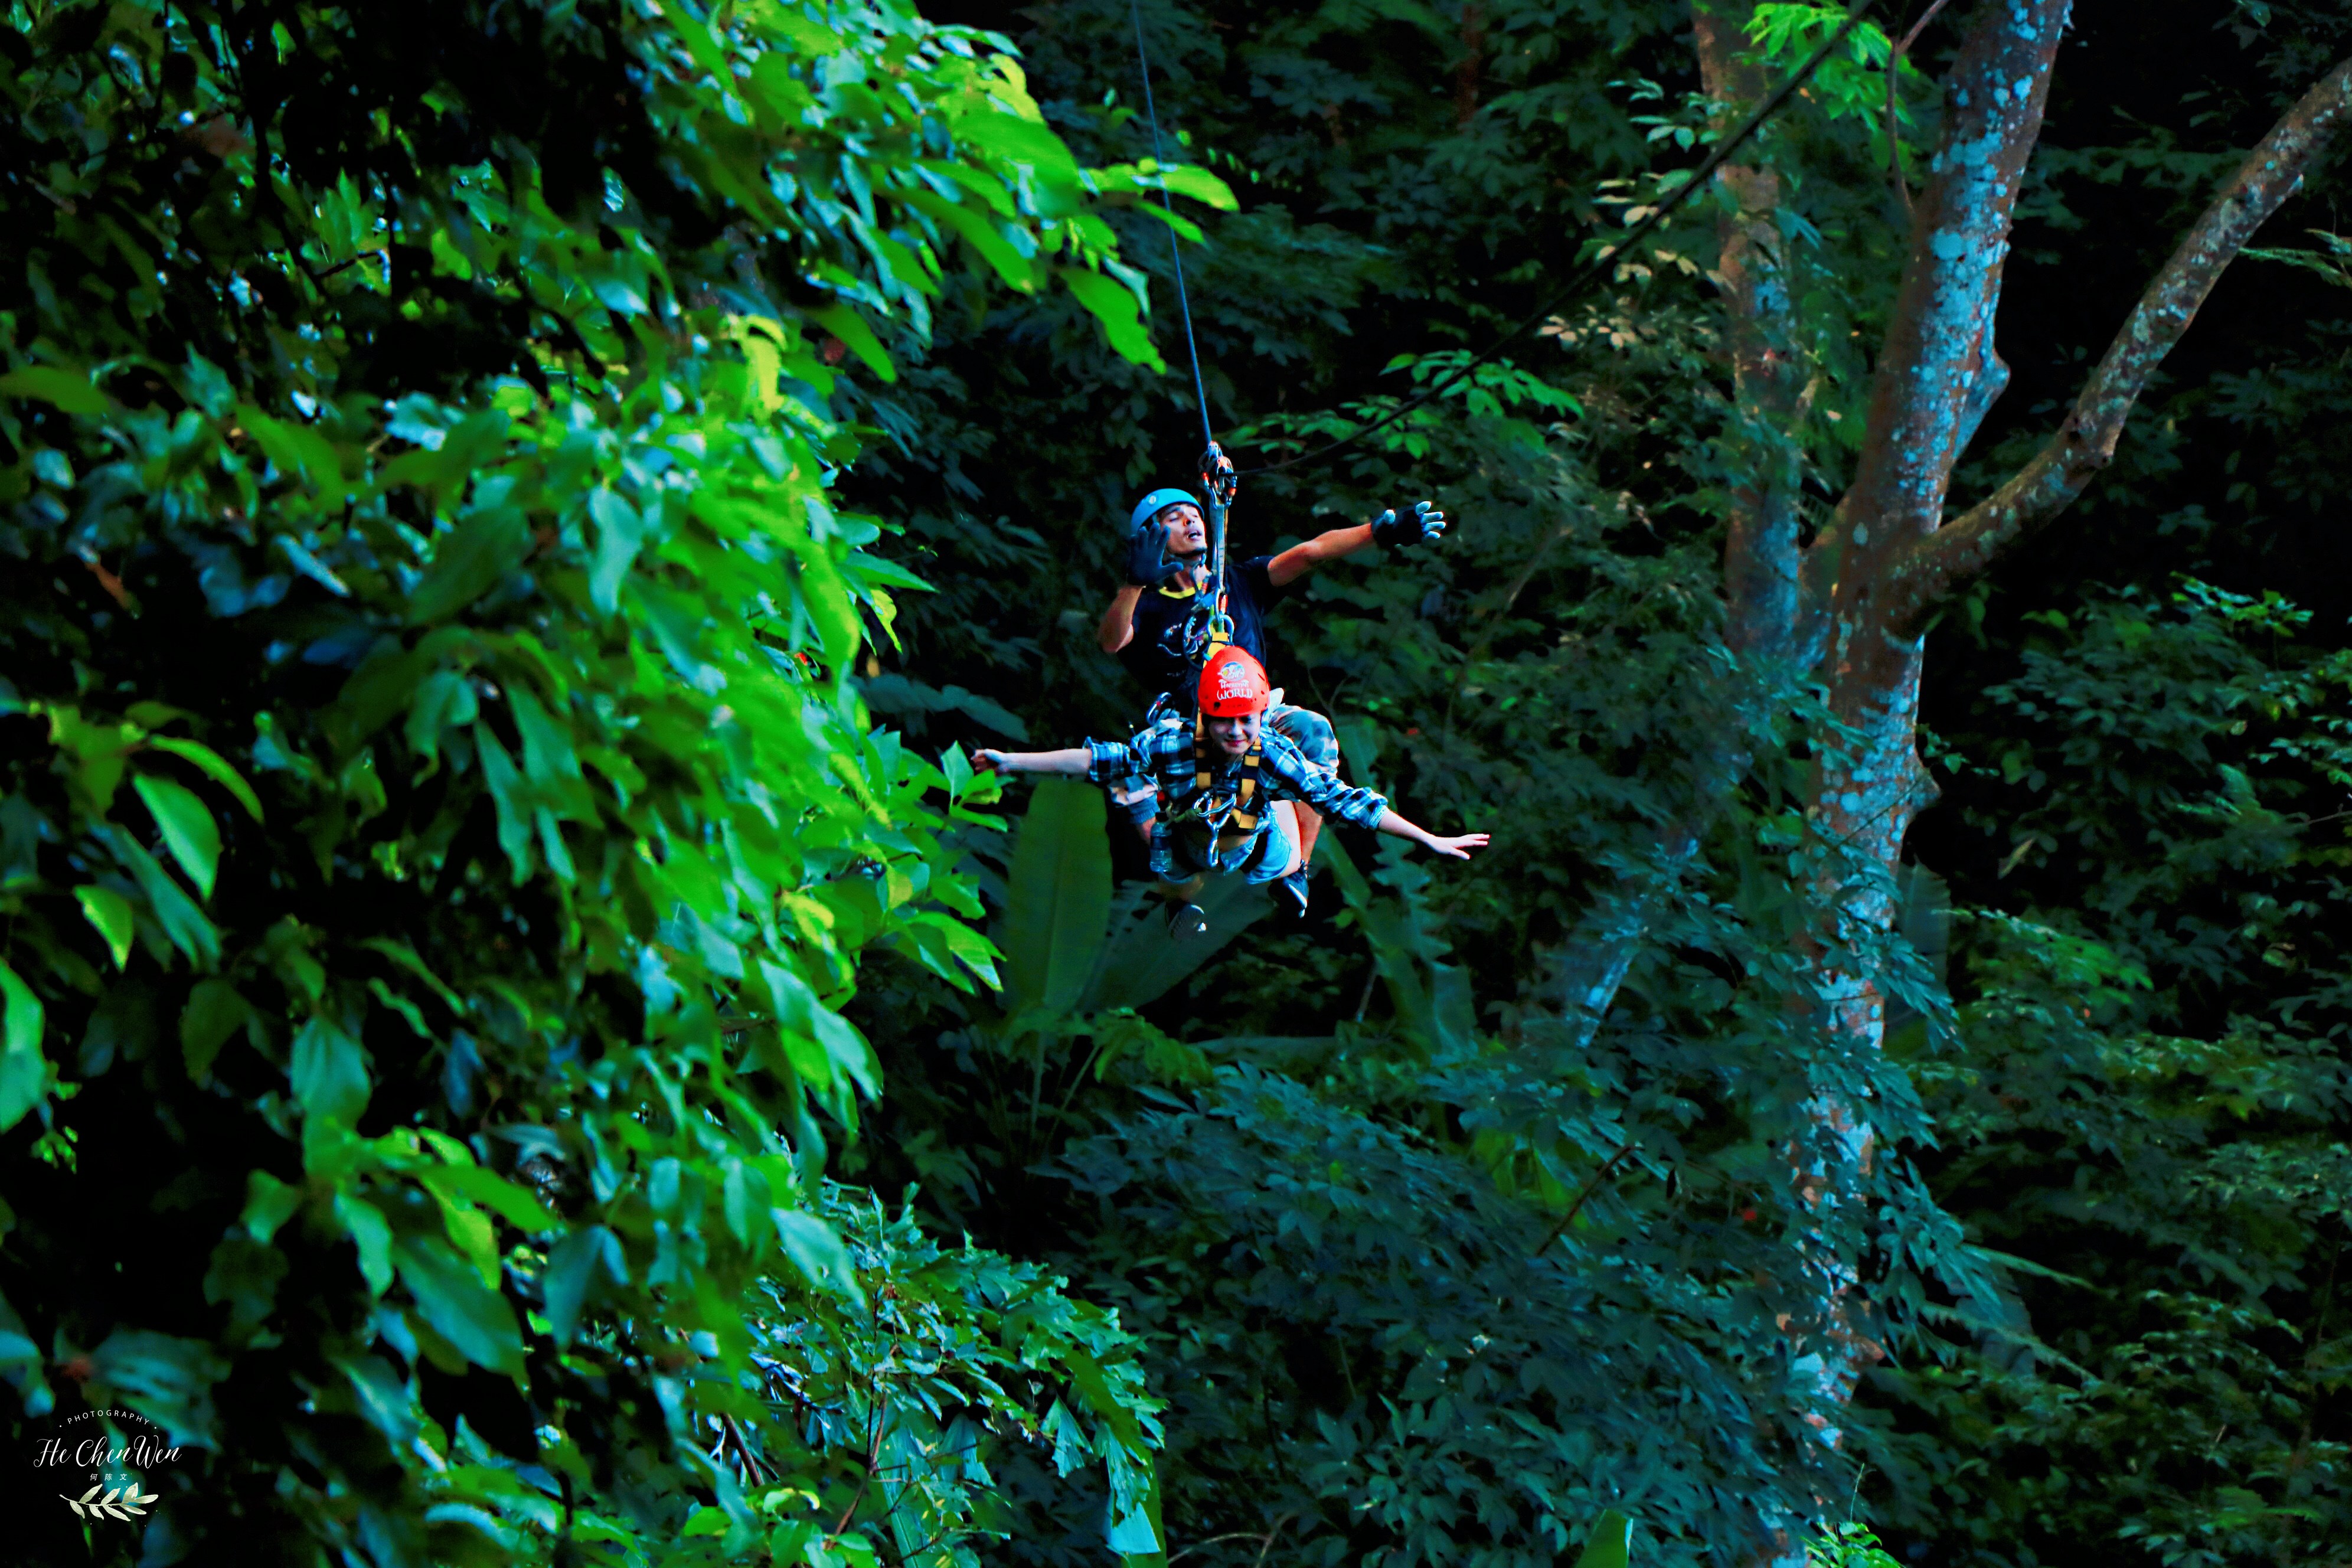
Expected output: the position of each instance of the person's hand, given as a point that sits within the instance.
(1424, 523)
(988, 760)
(1147, 563)
(1457, 847)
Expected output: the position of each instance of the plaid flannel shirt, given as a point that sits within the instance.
(1163, 754)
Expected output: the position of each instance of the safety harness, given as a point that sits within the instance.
(1217, 823)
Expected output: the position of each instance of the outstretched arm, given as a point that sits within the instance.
(1425, 521)
(1071, 760)
(1457, 847)
(1302, 781)
(1300, 559)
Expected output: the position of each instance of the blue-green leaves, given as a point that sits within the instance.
(451, 1296)
(575, 1267)
(24, 1073)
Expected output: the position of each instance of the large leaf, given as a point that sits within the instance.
(1057, 898)
(167, 1379)
(471, 1316)
(1141, 962)
(1612, 1533)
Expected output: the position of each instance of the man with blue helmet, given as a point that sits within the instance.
(1166, 544)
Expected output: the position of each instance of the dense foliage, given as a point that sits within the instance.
(439, 839)
(497, 1037)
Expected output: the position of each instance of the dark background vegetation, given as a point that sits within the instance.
(1412, 181)
(1403, 1271)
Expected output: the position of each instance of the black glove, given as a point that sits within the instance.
(1423, 523)
(1148, 565)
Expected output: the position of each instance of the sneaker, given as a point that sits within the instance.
(1296, 886)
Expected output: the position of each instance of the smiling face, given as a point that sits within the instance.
(1188, 535)
(1235, 737)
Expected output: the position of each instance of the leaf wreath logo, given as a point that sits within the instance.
(122, 1503)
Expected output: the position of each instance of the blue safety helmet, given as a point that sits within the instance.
(1155, 503)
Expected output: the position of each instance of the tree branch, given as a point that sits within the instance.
(1934, 568)
(1935, 370)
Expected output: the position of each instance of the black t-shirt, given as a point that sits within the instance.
(1155, 655)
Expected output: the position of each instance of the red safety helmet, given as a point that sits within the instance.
(1232, 684)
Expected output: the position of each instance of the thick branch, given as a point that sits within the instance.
(1938, 566)
(1937, 372)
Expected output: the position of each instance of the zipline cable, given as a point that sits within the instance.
(1599, 266)
(1175, 254)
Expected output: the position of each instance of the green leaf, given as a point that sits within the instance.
(1113, 304)
(168, 1380)
(383, 1397)
(371, 1234)
(188, 829)
(568, 1285)
(72, 392)
(472, 1317)
(403, 954)
(1143, 962)
(469, 562)
(802, 1017)
(979, 230)
(268, 1204)
(1192, 180)
(513, 1204)
(1059, 896)
(183, 923)
(816, 1251)
(215, 1010)
(23, 1071)
(509, 796)
(329, 1072)
(850, 327)
(620, 534)
(214, 767)
(110, 914)
(1612, 1535)
(1019, 140)
(470, 1231)
(296, 451)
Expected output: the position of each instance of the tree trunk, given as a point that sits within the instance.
(1848, 607)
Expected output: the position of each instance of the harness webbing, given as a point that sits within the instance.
(1230, 821)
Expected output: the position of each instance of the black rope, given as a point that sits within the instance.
(1601, 265)
(1183, 307)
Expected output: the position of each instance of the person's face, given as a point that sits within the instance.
(1188, 536)
(1235, 737)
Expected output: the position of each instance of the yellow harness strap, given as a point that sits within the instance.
(1230, 823)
